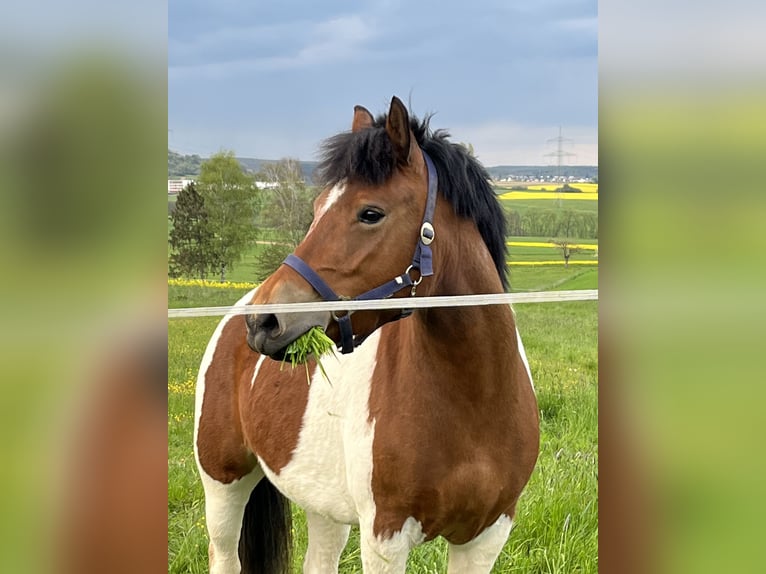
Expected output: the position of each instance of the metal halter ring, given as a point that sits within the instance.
(415, 283)
(334, 314)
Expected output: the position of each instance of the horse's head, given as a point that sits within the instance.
(367, 224)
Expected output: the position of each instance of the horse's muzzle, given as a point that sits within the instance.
(270, 334)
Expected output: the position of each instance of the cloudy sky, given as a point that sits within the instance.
(271, 79)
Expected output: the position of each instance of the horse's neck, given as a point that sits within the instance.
(467, 353)
(469, 335)
(462, 262)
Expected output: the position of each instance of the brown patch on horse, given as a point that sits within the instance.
(274, 409)
(220, 443)
(238, 419)
(457, 472)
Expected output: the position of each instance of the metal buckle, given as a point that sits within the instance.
(427, 233)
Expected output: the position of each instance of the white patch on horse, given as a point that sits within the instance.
(224, 503)
(523, 354)
(331, 467)
(330, 472)
(480, 554)
(389, 555)
(332, 197)
(257, 368)
(224, 509)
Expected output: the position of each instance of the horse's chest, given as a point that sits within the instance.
(330, 466)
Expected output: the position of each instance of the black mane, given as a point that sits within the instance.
(367, 156)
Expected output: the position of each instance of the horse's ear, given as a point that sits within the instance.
(398, 129)
(362, 119)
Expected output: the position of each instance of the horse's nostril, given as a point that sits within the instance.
(267, 322)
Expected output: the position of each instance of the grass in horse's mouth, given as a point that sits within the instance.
(313, 342)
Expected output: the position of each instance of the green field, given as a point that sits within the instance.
(553, 277)
(557, 520)
(524, 205)
(246, 270)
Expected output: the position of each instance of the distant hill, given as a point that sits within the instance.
(180, 165)
(254, 165)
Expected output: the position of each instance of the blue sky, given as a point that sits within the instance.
(272, 79)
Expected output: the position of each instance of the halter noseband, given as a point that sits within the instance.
(422, 260)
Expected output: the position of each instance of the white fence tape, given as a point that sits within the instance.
(398, 303)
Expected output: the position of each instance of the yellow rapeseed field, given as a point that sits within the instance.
(546, 191)
(591, 246)
(557, 262)
(584, 187)
(548, 195)
(206, 283)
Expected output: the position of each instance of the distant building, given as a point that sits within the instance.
(176, 185)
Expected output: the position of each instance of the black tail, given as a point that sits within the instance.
(266, 541)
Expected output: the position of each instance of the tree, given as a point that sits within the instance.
(287, 211)
(231, 202)
(539, 222)
(567, 247)
(514, 222)
(569, 224)
(190, 236)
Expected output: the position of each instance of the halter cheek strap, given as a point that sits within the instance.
(422, 261)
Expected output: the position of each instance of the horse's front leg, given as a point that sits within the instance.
(388, 554)
(479, 555)
(224, 509)
(327, 539)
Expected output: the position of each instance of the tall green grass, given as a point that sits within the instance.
(556, 526)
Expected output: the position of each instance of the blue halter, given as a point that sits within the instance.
(422, 260)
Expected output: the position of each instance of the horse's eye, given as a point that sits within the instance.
(370, 216)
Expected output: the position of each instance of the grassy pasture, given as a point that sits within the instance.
(522, 205)
(245, 270)
(534, 253)
(556, 524)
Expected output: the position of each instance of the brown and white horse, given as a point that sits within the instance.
(429, 427)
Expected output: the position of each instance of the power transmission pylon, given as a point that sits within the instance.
(560, 154)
